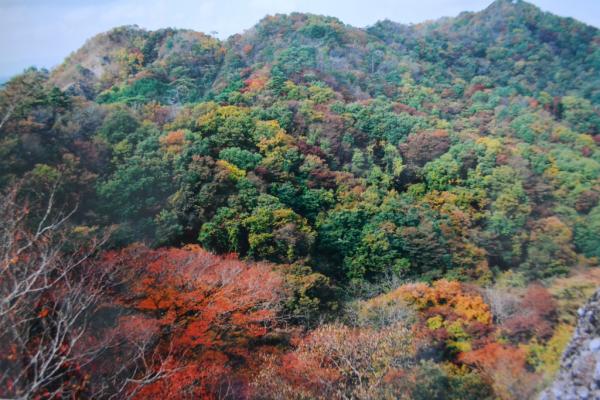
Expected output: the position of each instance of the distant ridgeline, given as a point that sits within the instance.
(458, 148)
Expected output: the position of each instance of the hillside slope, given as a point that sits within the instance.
(425, 198)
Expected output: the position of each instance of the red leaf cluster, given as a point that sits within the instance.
(210, 311)
(536, 316)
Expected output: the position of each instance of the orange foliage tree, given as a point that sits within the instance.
(451, 313)
(210, 311)
(174, 141)
(504, 367)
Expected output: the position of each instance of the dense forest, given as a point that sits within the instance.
(306, 210)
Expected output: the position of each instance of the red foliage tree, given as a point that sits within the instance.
(505, 369)
(210, 312)
(425, 146)
(536, 316)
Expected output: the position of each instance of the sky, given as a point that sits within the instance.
(43, 32)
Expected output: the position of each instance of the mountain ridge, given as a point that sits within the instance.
(483, 35)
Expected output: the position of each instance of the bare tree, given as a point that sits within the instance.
(147, 365)
(51, 286)
(503, 302)
(47, 289)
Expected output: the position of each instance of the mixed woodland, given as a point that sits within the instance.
(306, 210)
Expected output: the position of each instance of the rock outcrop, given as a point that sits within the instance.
(579, 375)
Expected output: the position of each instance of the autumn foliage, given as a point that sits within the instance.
(414, 210)
(536, 316)
(505, 368)
(336, 361)
(210, 313)
(452, 314)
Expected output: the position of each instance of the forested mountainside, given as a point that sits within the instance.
(305, 210)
